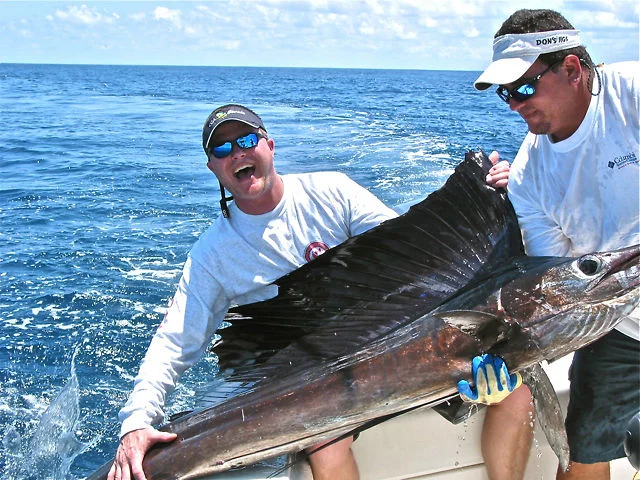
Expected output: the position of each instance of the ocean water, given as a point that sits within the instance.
(104, 190)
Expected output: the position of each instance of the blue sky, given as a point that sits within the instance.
(417, 34)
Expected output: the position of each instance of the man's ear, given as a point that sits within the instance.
(573, 67)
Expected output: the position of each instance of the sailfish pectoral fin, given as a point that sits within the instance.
(486, 328)
(549, 412)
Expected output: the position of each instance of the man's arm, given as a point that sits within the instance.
(193, 316)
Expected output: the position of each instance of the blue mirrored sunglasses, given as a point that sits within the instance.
(244, 142)
(524, 90)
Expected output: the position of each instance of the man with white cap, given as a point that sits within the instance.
(574, 185)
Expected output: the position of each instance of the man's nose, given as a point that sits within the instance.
(237, 151)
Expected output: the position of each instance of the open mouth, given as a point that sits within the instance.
(244, 172)
(627, 273)
(624, 266)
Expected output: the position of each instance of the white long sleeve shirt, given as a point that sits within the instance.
(580, 195)
(233, 263)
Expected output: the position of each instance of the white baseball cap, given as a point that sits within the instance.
(513, 54)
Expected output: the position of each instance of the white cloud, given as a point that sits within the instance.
(84, 15)
(402, 31)
(366, 29)
(231, 45)
(172, 16)
(138, 17)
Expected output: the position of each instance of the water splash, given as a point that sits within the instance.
(49, 453)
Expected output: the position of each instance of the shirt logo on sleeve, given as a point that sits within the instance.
(314, 250)
(166, 314)
(623, 160)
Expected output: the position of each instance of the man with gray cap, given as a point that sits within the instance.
(275, 224)
(574, 185)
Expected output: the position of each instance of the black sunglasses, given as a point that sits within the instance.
(525, 90)
(244, 142)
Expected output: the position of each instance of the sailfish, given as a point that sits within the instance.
(389, 321)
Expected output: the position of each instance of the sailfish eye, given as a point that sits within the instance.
(589, 265)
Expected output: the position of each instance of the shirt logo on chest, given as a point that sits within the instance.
(314, 250)
(623, 160)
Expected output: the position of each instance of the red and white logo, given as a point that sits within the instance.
(314, 250)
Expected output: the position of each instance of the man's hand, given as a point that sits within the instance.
(498, 176)
(492, 381)
(132, 449)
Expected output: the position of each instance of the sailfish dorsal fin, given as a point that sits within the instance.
(377, 281)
